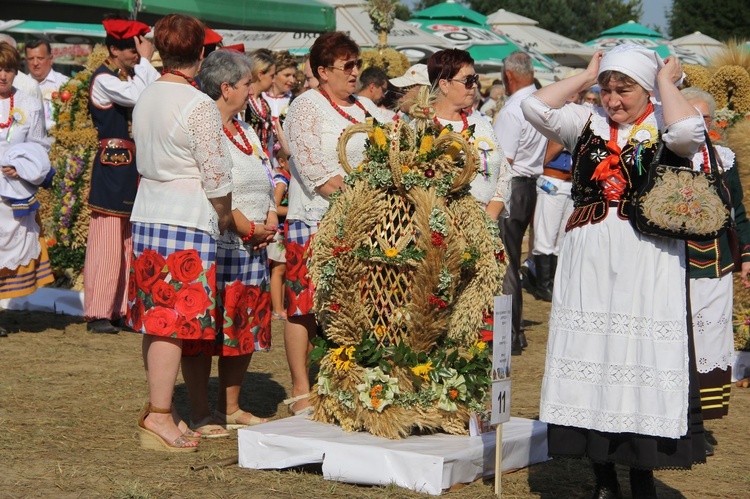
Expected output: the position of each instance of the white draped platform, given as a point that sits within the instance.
(429, 464)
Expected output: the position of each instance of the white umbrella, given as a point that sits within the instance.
(700, 44)
(525, 32)
(351, 17)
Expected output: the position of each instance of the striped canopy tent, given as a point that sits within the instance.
(467, 29)
(525, 32)
(632, 32)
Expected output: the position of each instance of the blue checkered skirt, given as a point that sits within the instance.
(172, 289)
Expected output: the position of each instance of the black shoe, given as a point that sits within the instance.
(528, 280)
(522, 339)
(122, 325)
(607, 492)
(642, 484)
(710, 438)
(607, 486)
(516, 347)
(709, 447)
(3, 333)
(102, 326)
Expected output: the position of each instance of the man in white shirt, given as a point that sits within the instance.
(39, 60)
(373, 85)
(115, 88)
(524, 148)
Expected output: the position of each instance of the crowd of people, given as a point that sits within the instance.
(213, 174)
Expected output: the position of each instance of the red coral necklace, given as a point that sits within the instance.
(341, 111)
(464, 119)
(191, 81)
(10, 113)
(247, 147)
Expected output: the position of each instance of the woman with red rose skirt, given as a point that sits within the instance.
(183, 203)
(242, 272)
(313, 126)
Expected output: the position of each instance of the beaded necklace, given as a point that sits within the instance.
(191, 81)
(10, 113)
(464, 119)
(341, 111)
(247, 147)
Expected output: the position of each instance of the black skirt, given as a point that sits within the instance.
(635, 450)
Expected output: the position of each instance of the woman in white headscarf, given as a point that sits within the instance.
(619, 384)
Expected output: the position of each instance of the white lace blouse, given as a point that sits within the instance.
(181, 155)
(494, 183)
(313, 128)
(252, 190)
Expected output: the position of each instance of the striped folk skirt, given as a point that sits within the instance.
(25, 279)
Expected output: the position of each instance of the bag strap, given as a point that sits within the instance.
(658, 154)
(711, 155)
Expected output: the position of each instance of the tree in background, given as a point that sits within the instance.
(719, 20)
(581, 20)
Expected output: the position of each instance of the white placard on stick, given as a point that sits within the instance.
(501, 339)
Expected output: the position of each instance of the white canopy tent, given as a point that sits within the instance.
(700, 44)
(351, 17)
(526, 33)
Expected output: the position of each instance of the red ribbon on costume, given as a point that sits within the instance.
(608, 171)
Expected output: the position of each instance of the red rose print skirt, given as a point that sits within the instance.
(243, 284)
(172, 284)
(299, 288)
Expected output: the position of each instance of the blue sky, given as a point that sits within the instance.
(653, 13)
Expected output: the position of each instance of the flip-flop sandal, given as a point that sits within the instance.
(208, 428)
(278, 316)
(230, 421)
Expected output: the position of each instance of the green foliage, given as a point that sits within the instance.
(720, 20)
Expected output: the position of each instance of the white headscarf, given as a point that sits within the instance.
(635, 61)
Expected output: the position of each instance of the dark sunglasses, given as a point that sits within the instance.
(349, 66)
(469, 81)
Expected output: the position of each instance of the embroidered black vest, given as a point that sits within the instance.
(114, 177)
(588, 198)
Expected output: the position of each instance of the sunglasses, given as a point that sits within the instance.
(349, 66)
(469, 81)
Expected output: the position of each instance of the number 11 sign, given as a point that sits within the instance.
(501, 360)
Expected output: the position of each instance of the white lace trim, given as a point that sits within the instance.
(600, 125)
(611, 422)
(209, 150)
(620, 324)
(603, 374)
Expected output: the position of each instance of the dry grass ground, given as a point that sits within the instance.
(69, 401)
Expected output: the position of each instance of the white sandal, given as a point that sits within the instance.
(291, 401)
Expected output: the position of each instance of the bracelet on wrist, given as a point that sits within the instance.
(246, 239)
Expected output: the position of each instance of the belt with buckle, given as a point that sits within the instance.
(117, 144)
(558, 174)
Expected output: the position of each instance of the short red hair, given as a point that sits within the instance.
(445, 64)
(329, 47)
(179, 40)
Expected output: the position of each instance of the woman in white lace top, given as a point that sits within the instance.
(183, 203)
(620, 383)
(242, 277)
(313, 125)
(452, 74)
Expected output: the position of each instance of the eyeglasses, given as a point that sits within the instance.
(469, 81)
(349, 66)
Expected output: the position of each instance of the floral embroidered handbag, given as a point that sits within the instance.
(682, 203)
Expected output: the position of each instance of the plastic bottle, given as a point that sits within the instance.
(546, 186)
